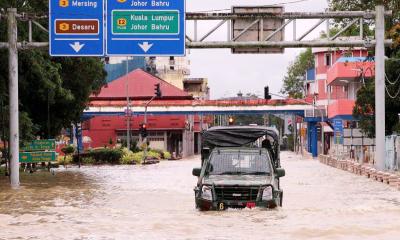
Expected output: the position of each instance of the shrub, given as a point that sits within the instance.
(126, 159)
(153, 155)
(166, 155)
(103, 155)
(69, 149)
(64, 160)
(137, 157)
(127, 156)
(88, 160)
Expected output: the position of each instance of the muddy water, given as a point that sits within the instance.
(156, 202)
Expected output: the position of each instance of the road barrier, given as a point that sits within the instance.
(367, 170)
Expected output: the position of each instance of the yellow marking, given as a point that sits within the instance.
(63, 3)
(121, 22)
(64, 26)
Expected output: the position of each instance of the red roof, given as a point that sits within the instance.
(140, 87)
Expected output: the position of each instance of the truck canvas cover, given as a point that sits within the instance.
(237, 136)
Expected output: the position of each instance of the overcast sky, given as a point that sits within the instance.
(227, 73)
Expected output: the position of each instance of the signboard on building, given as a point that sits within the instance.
(145, 28)
(338, 131)
(76, 28)
(247, 30)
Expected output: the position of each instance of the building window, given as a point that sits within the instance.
(328, 59)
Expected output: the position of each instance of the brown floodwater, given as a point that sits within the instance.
(157, 202)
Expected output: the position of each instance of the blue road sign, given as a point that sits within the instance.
(76, 27)
(145, 27)
(338, 131)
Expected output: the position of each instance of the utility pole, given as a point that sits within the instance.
(380, 88)
(13, 92)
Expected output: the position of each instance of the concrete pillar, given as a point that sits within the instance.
(380, 153)
(13, 95)
(165, 141)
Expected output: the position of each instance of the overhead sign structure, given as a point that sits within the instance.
(76, 27)
(145, 27)
(246, 30)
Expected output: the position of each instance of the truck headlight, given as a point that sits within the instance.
(267, 193)
(206, 193)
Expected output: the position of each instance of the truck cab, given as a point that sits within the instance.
(239, 169)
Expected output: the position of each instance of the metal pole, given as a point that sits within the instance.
(128, 124)
(380, 88)
(145, 122)
(13, 91)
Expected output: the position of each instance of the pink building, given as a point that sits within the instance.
(338, 75)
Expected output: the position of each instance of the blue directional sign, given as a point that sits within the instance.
(76, 27)
(145, 27)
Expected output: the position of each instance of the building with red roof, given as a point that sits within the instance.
(177, 134)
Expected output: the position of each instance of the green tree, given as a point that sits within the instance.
(53, 92)
(293, 81)
(365, 104)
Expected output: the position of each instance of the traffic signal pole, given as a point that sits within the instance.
(145, 122)
(13, 92)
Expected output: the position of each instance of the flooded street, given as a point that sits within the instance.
(157, 202)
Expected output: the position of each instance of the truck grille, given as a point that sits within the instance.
(236, 193)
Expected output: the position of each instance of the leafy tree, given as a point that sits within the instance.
(365, 104)
(293, 82)
(53, 92)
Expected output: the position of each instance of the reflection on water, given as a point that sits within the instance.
(157, 202)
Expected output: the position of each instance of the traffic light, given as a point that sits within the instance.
(143, 130)
(231, 121)
(157, 90)
(266, 93)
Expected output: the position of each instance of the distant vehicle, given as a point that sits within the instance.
(240, 168)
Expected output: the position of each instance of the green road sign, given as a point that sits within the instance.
(143, 22)
(40, 145)
(32, 157)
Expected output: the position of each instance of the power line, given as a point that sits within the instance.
(391, 96)
(392, 83)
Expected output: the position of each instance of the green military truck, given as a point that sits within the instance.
(240, 167)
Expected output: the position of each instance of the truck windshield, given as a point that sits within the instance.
(239, 162)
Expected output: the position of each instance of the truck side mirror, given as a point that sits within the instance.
(280, 172)
(196, 172)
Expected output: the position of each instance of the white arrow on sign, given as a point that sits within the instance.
(145, 46)
(77, 46)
